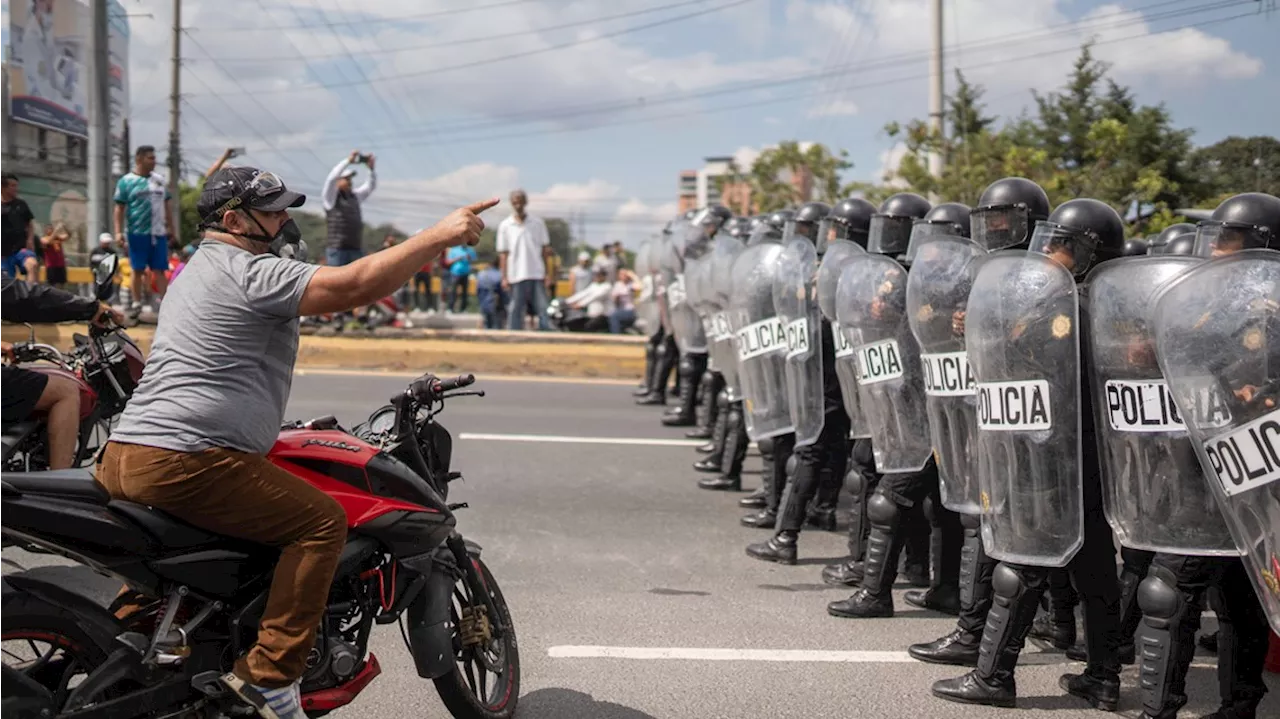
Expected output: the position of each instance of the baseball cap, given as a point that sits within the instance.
(348, 173)
(105, 238)
(584, 256)
(233, 188)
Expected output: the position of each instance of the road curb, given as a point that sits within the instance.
(439, 351)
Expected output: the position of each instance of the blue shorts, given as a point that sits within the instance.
(149, 251)
(15, 264)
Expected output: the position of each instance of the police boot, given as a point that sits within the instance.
(713, 400)
(756, 500)
(916, 545)
(1100, 683)
(1130, 614)
(960, 647)
(849, 572)
(775, 481)
(992, 682)
(1057, 628)
(781, 548)
(691, 368)
(713, 462)
(1240, 709)
(735, 452)
(946, 544)
(822, 511)
(1102, 692)
(1165, 652)
(875, 597)
(707, 448)
(648, 381)
(664, 364)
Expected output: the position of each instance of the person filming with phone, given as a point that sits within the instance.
(342, 209)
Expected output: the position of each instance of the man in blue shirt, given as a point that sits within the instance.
(491, 298)
(143, 196)
(458, 260)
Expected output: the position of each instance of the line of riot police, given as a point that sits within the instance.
(1004, 391)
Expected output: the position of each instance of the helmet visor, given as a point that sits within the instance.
(923, 231)
(889, 235)
(1215, 239)
(1072, 248)
(999, 227)
(763, 232)
(831, 230)
(806, 230)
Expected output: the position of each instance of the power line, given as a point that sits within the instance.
(890, 61)
(473, 40)
(525, 53)
(374, 21)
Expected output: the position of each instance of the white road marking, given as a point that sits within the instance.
(860, 656)
(560, 439)
(321, 372)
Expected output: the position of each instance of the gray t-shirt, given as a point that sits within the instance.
(222, 360)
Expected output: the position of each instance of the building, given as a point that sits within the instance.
(699, 188)
(45, 118)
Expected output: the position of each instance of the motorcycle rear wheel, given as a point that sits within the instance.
(48, 645)
(474, 690)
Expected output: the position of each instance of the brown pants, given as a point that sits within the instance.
(244, 495)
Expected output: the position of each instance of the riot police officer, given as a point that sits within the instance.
(1005, 215)
(1172, 595)
(871, 309)
(1036, 496)
(665, 352)
(691, 339)
(1158, 244)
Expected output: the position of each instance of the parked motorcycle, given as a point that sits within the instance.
(106, 365)
(404, 562)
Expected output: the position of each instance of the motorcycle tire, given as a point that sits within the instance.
(33, 619)
(456, 689)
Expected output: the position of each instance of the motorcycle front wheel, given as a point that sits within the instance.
(485, 683)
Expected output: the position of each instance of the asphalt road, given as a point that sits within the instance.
(612, 545)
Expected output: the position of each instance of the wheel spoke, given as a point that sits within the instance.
(483, 696)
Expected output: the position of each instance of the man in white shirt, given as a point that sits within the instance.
(580, 275)
(597, 299)
(523, 248)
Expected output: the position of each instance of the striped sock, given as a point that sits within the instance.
(286, 702)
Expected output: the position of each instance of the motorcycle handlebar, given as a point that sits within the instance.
(429, 388)
(448, 385)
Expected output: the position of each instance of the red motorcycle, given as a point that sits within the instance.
(404, 562)
(106, 365)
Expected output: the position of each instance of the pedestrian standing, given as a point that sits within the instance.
(459, 261)
(19, 234)
(55, 259)
(523, 250)
(342, 214)
(142, 196)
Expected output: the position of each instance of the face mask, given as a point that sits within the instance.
(284, 243)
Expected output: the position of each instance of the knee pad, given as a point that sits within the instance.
(708, 378)
(686, 365)
(854, 483)
(882, 511)
(766, 446)
(792, 462)
(722, 398)
(662, 351)
(971, 523)
(1158, 594)
(1007, 581)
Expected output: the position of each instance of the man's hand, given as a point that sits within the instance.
(7, 349)
(957, 323)
(355, 155)
(121, 242)
(464, 225)
(371, 161)
(105, 313)
(506, 284)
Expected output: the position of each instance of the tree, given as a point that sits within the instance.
(1238, 164)
(769, 179)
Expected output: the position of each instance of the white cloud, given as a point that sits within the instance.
(570, 194)
(889, 161)
(634, 221)
(834, 107)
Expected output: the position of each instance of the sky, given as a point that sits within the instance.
(595, 107)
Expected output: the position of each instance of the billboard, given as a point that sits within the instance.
(49, 64)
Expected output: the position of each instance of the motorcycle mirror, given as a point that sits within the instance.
(104, 277)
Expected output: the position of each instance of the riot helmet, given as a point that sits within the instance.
(1183, 244)
(849, 220)
(1007, 212)
(739, 227)
(804, 223)
(1157, 245)
(1133, 247)
(890, 231)
(770, 229)
(1246, 221)
(713, 216)
(1080, 234)
(950, 219)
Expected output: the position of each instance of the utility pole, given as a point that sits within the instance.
(175, 117)
(99, 175)
(935, 89)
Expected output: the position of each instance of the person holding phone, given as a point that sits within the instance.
(342, 209)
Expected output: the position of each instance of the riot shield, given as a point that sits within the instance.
(942, 273)
(871, 302)
(762, 342)
(1154, 493)
(796, 299)
(687, 245)
(1021, 333)
(660, 260)
(724, 351)
(839, 253)
(647, 302)
(1217, 333)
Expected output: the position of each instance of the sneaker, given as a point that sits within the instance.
(281, 703)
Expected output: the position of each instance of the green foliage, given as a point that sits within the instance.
(769, 177)
(1089, 138)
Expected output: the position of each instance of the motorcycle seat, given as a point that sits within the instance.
(168, 530)
(16, 432)
(74, 484)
